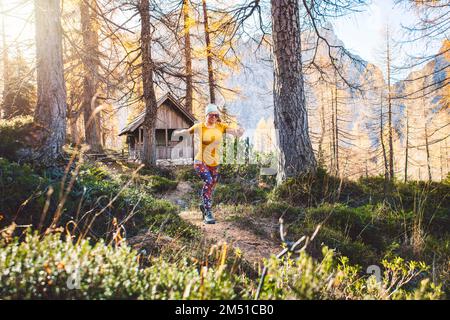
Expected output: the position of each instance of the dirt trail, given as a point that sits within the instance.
(254, 246)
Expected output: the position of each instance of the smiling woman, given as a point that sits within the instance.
(207, 143)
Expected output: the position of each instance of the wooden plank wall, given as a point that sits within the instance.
(169, 118)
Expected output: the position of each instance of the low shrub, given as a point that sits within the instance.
(153, 184)
(329, 278)
(186, 173)
(97, 202)
(235, 193)
(15, 135)
(314, 190)
(49, 267)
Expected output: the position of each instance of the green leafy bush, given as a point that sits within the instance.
(238, 193)
(49, 267)
(365, 234)
(22, 193)
(94, 202)
(14, 134)
(52, 268)
(306, 278)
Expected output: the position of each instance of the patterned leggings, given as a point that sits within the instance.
(209, 175)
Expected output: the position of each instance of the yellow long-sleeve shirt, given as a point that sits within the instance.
(207, 142)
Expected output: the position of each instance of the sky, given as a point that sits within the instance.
(361, 32)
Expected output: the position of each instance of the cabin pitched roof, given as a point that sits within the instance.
(137, 122)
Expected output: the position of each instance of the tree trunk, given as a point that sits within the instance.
(51, 108)
(149, 152)
(446, 157)
(91, 62)
(383, 147)
(441, 162)
(5, 61)
(211, 81)
(427, 146)
(296, 155)
(321, 158)
(333, 134)
(188, 55)
(336, 128)
(407, 144)
(73, 120)
(390, 132)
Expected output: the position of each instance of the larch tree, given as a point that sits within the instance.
(283, 34)
(51, 109)
(406, 143)
(149, 151)
(209, 58)
(382, 143)
(91, 61)
(389, 103)
(431, 25)
(426, 134)
(5, 62)
(187, 22)
(291, 120)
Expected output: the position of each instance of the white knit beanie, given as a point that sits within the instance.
(211, 108)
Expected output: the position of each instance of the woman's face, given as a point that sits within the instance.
(212, 117)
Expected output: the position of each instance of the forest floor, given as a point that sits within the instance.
(254, 242)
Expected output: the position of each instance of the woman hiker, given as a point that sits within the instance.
(207, 159)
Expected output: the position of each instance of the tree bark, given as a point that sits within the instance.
(407, 144)
(72, 116)
(296, 155)
(441, 162)
(51, 108)
(427, 145)
(91, 62)
(390, 129)
(211, 81)
(333, 133)
(336, 128)
(149, 154)
(187, 55)
(321, 158)
(5, 60)
(383, 147)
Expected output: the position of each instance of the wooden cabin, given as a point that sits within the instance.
(171, 116)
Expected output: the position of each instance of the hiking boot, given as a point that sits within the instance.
(209, 218)
(203, 210)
